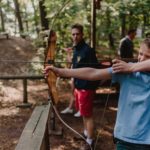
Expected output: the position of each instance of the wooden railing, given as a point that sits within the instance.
(24, 79)
(105, 63)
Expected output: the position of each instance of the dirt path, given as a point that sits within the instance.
(13, 119)
(104, 127)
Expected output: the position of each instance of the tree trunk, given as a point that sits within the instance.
(144, 24)
(35, 17)
(123, 25)
(131, 21)
(18, 15)
(93, 24)
(2, 20)
(44, 20)
(111, 40)
(25, 20)
(110, 37)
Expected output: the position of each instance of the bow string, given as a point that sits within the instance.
(52, 78)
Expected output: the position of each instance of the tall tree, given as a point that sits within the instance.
(108, 25)
(122, 15)
(35, 16)
(18, 15)
(2, 19)
(44, 20)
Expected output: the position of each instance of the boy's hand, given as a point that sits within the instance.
(46, 70)
(121, 66)
(50, 68)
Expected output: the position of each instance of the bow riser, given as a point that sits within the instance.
(50, 54)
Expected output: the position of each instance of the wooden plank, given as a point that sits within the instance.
(33, 136)
(22, 77)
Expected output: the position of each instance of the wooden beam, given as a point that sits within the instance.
(35, 134)
(93, 24)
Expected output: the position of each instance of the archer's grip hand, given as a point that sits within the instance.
(49, 68)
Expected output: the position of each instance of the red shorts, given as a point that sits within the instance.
(84, 101)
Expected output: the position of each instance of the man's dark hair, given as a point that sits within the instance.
(146, 42)
(77, 26)
(131, 31)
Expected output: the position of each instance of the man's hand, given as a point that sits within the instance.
(121, 66)
(69, 54)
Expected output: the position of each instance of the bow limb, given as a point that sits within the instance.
(49, 59)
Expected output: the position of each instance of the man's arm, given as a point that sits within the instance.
(91, 74)
(121, 66)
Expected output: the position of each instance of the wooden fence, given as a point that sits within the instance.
(24, 82)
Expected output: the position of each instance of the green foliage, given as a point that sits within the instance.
(134, 10)
(36, 68)
(63, 13)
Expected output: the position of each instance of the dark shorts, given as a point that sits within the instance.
(84, 101)
(122, 145)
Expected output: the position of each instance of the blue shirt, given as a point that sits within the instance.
(133, 116)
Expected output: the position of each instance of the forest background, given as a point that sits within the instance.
(32, 18)
(27, 22)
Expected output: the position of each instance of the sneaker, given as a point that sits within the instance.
(67, 111)
(78, 138)
(77, 114)
(86, 146)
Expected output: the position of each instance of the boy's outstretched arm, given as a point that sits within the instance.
(121, 66)
(91, 74)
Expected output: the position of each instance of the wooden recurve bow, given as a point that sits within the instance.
(51, 79)
(49, 60)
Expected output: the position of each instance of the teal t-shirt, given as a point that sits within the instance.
(133, 116)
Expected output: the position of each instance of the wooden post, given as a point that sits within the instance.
(25, 94)
(25, 103)
(93, 24)
(24, 79)
(96, 4)
(35, 135)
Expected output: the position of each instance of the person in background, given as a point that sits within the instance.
(126, 46)
(132, 127)
(69, 109)
(84, 91)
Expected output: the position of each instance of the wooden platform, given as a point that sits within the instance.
(35, 135)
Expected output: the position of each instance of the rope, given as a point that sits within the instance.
(102, 118)
(64, 123)
(42, 62)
